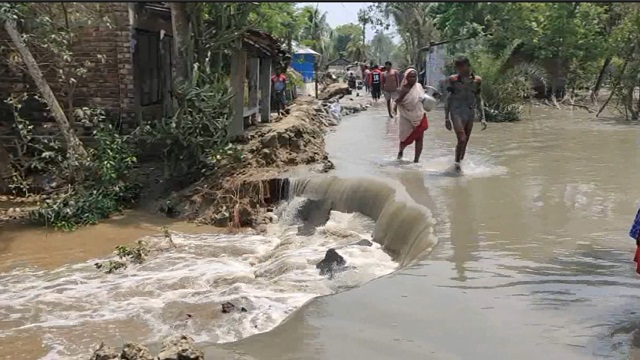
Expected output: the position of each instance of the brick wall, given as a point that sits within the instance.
(107, 84)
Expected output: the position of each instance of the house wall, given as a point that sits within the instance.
(108, 83)
(152, 46)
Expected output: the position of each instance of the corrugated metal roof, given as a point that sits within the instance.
(303, 50)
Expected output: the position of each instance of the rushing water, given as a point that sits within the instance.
(533, 257)
(73, 307)
(524, 255)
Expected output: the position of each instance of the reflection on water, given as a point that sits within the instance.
(533, 256)
(464, 234)
(534, 232)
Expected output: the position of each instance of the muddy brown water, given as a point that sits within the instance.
(527, 253)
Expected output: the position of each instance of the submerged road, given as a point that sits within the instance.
(532, 258)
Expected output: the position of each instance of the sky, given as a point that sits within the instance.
(344, 13)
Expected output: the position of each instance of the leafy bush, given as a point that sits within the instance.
(106, 187)
(32, 154)
(503, 87)
(195, 137)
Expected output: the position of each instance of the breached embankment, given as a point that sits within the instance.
(403, 228)
(238, 193)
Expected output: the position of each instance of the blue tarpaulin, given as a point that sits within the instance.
(303, 63)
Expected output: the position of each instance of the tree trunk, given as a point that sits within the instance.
(615, 87)
(75, 149)
(180, 27)
(5, 170)
(629, 103)
(598, 85)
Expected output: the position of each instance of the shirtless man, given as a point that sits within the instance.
(463, 99)
(390, 84)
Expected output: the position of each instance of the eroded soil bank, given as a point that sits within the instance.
(234, 196)
(238, 195)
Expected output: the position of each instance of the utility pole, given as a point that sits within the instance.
(315, 73)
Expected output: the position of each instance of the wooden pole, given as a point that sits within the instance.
(238, 75)
(315, 76)
(265, 90)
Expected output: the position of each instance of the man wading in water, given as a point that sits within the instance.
(463, 99)
(390, 83)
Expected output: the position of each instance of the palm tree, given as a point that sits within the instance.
(357, 50)
(414, 26)
(316, 29)
(381, 47)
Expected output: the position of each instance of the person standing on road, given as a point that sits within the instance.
(412, 122)
(375, 79)
(365, 77)
(390, 84)
(635, 235)
(463, 105)
(278, 88)
(352, 81)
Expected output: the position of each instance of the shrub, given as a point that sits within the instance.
(106, 187)
(196, 135)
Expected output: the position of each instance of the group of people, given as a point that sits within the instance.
(382, 81)
(463, 104)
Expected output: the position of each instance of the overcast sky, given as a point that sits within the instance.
(344, 13)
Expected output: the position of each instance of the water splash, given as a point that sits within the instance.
(74, 307)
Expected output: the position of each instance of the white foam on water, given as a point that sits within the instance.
(473, 166)
(74, 307)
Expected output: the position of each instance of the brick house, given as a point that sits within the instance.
(132, 81)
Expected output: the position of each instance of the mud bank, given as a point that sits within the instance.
(174, 347)
(239, 195)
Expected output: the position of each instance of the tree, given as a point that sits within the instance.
(415, 28)
(75, 150)
(382, 47)
(181, 40)
(343, 36)
(315, 29)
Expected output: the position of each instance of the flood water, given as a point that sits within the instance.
(532, 258)
(525, 254)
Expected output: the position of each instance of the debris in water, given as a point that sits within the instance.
(104, 352)
(228, 307)
(177, 347)
(364, 242)
(331, 262)
(133, 351)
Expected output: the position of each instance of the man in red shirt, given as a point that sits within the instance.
(375, 82)
(278, 88)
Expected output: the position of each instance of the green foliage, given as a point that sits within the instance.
(504, 88)
(33, 154)
(571, 40)
(315, 31)
(277, 18)
(382, 48)
(343, 35)
(135, 254)
(106, 188)
(294, 78)
(416, 30)
(195, 137)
